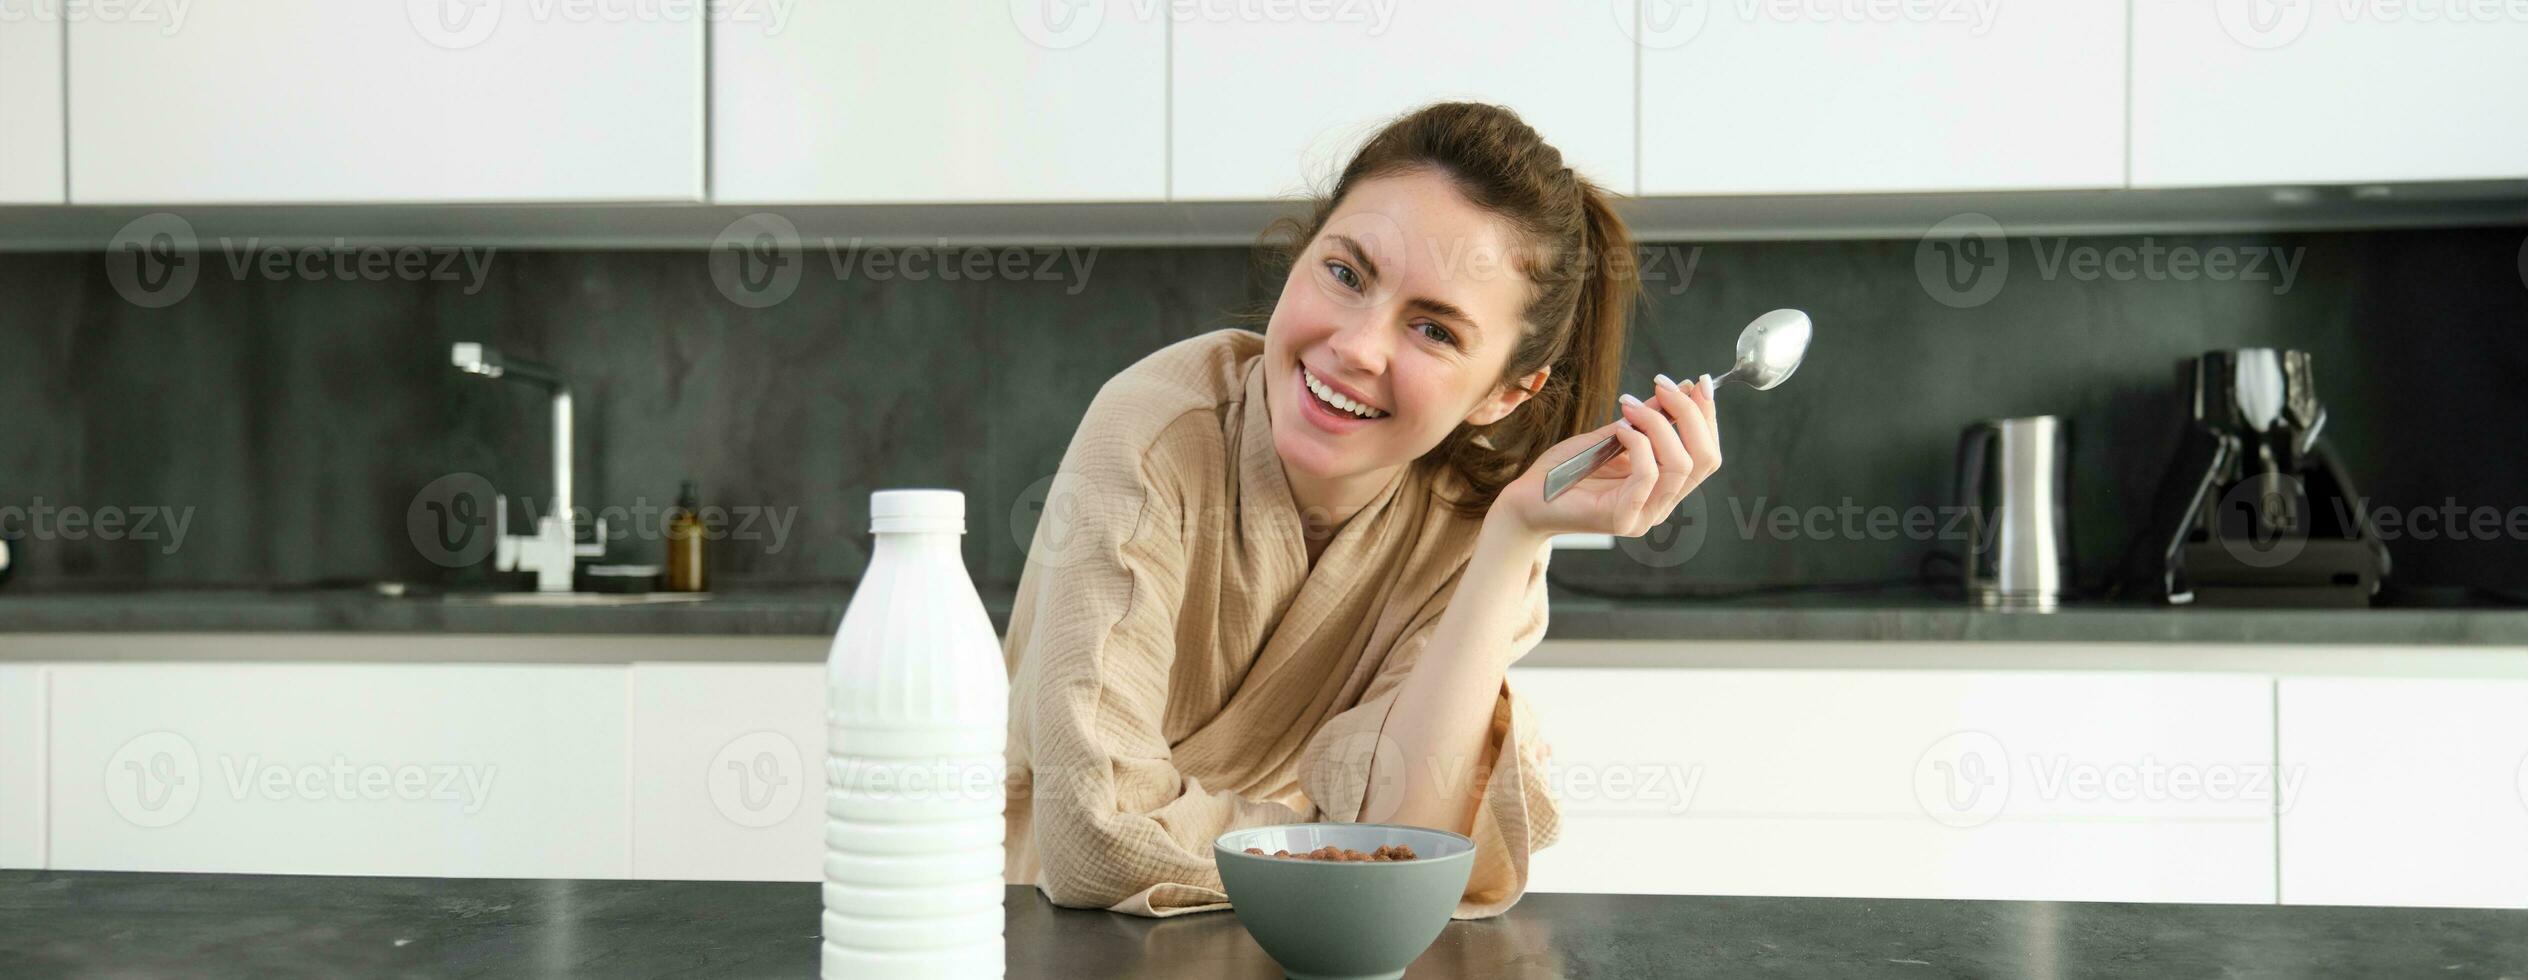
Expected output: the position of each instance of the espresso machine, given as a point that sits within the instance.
(2255, 510)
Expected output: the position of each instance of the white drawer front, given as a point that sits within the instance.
(728, 775)
(2026, 785)
(493, 771)
(2417, 792)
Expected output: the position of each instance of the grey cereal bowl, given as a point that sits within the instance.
(1343, 920)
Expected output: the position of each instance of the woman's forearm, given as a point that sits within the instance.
(1442, 719)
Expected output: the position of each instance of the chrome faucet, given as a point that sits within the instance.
(554, 548)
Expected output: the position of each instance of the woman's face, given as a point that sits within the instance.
(1406, 306)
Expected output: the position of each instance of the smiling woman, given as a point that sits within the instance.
(1281, 577)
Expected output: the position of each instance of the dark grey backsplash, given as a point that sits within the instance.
(290, 423)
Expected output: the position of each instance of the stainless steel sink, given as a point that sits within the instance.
(574, 598)
(402, 590)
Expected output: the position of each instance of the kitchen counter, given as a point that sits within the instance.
(815, 611)
(216, 925)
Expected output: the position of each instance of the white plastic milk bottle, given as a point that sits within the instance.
(917, 707)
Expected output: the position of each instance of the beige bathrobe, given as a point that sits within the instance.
(1178, 670)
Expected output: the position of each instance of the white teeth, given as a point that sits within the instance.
(1336, 399)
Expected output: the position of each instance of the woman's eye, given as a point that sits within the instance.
(1437, 333)
(1344, 274)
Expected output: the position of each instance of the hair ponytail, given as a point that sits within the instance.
(1573, 247)
(1608, 292)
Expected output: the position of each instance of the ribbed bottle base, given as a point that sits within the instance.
(952, 898)
(971, 963)
(977, 961)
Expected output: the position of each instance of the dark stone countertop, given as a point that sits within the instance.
(210, 926)
(815, 612)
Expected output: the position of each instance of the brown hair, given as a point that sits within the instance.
(1574, 249)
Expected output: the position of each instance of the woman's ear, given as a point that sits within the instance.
(1509, 396)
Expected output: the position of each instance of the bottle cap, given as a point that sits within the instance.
(917, 511)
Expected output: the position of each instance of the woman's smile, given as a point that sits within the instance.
(1334, 407)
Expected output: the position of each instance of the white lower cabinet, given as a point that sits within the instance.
(1917, 783)
(1922, 784)
(21, 766)
(653, 770)
(2417, 792)
(728, 774)
(505, 771)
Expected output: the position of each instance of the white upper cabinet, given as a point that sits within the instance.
(321, 101)
(1271, 106)
(1775, 98)
(941, 101)
(30, 107)
(2266, 92)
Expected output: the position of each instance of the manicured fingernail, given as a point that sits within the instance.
(1706, 383)
(1630, 400)
(1665, 381)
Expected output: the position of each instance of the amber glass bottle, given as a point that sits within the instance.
(684, 543)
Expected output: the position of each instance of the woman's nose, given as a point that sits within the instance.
(1361, 345)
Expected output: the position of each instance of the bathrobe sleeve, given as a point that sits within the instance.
(1116, 825)
(1516, 815)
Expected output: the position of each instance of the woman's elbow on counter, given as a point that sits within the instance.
(1083, 882)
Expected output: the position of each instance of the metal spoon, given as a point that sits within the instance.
(1768, 351)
